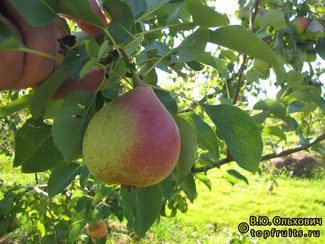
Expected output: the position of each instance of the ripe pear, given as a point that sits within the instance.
(133, 140)
(97, 230)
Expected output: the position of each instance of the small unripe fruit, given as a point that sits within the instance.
(97, 230)
(261, 65)
(13, 224)
(244, 13)
(300, 24)
(310, 56)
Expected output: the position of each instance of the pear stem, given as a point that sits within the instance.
(136, 80)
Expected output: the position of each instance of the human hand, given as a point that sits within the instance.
(20, 70)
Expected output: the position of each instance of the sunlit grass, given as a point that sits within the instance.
(218, 213)
(10, 174)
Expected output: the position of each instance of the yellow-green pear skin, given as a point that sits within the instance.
(133, 140)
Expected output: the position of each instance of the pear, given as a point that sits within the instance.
(97, 230)
(133, 140)
(261, 65)
(300, 24)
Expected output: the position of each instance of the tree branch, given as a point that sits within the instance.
(53, 219)
(242, 68)
(264, 157)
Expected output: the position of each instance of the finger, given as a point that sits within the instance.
(90, 82)
(11, 66)
(36, 68)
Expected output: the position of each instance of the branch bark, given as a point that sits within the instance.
(53, 219)
(264, 157)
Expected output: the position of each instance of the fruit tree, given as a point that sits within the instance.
(184, 92)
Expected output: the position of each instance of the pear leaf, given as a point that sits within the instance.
(35, 150)
(240, 133)
(141, 207)
(61, 177)
(188, 148)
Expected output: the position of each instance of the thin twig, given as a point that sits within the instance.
(242, 68)
(264, 157)
(56, 231)
(243, 65)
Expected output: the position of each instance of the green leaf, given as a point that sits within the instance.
(295, 106)
(52, 107)
(79, 9)
(6, 205)
(276, 131)
(113, 83)
(188, 148)
(4, 225)
(273, 106)
(173, 18)
(142, 207)
(166, 187)
(205, 134)
(41, 230)
(8, 39)
(94, 50)
(303, 96)
(35, 150)
(273, 17)
(216, 63)
(75, 230)
(138, 6)
(303, 141)
(307, 108)
(231, 179)
(28, 8)
(205, 179)
(193, 45)
(75, 60)
(243, 41)
(61, 177)
(167, 100)
(294, 78)
(19, 104)
(70, 124)
(205, 16)
(102, 192)
(240, 133)
(122, 21)
(46, 91)
(189, 186)
(260, 117)
(276, 108)
(237, 175)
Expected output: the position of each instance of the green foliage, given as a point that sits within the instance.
(152, 38)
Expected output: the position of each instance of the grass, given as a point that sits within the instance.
(227, 206)
(215, 215)
(11, 174)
